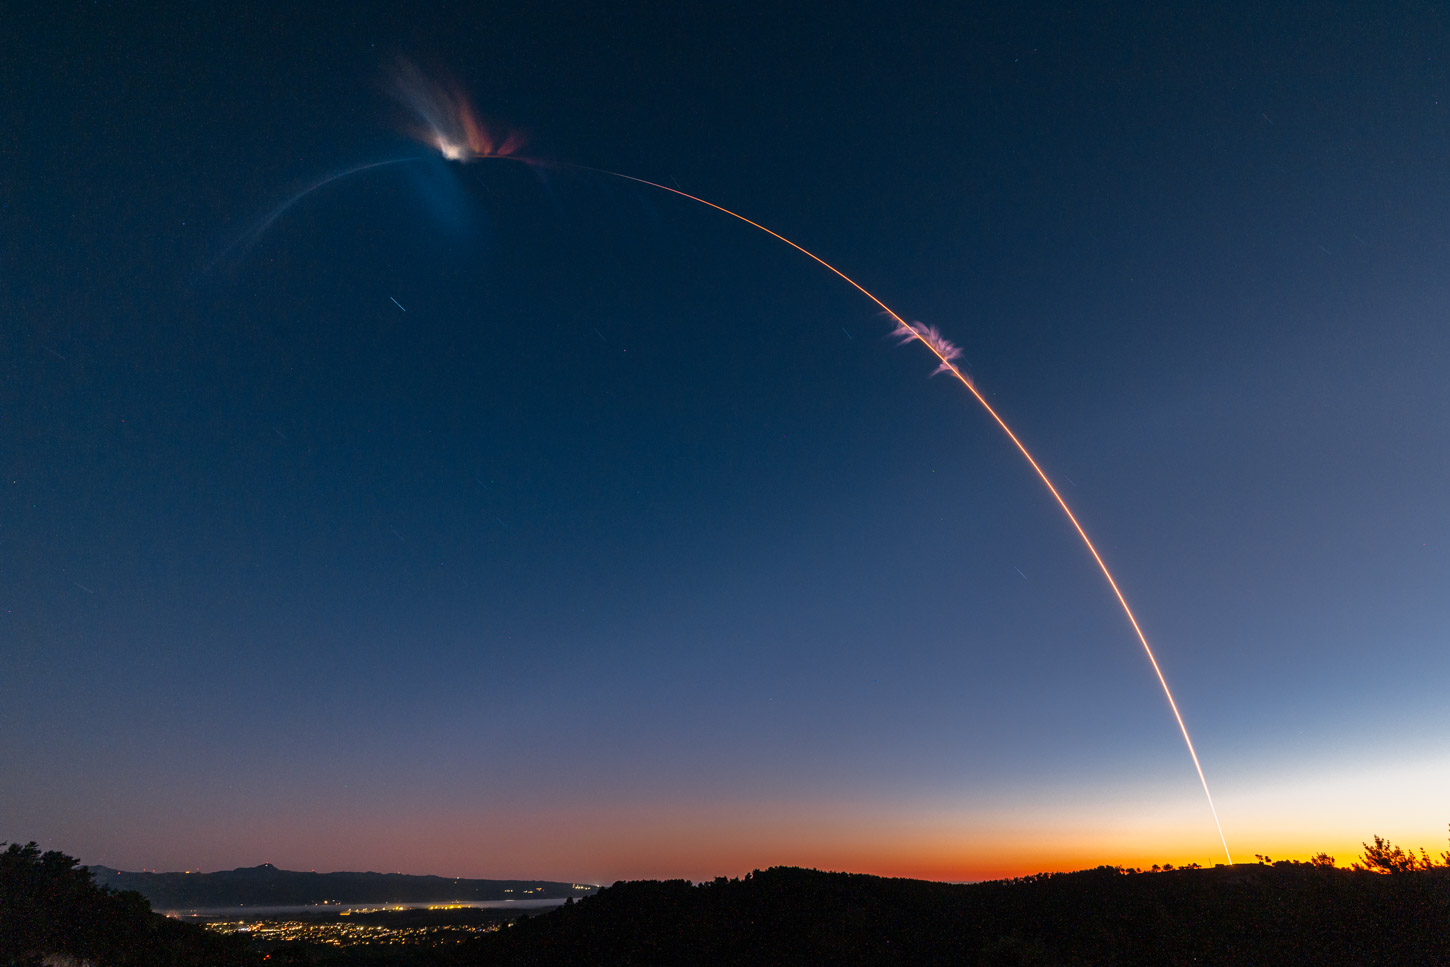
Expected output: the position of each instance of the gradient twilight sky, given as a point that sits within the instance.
(632, 545)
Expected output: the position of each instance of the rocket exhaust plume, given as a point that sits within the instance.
(440, 117)
(443, 118)
(945, 351)
(449, 124)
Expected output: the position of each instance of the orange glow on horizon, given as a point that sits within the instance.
(1331, 806)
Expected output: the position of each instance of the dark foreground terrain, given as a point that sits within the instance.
(1260, 915)
(1257, 914)
(50, 907)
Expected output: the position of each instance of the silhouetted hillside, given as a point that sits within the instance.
(1240, 915)
(1284, 914)
(266, 885)
(49, 906)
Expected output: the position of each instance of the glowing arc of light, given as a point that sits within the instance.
(251, 235)
(946, 365)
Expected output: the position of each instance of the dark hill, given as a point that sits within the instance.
(266, 885)
(1241, 915)
(51, 911)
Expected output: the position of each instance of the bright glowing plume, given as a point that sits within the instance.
(444, 119)
(946, 351)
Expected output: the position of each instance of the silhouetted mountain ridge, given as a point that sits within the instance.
(266, 885)
(1239, 915)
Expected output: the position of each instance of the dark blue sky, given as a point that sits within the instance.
(633, 546)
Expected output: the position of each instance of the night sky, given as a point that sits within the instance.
(503, 520)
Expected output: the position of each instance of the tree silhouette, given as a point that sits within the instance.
(50, 906)
(1385, 857)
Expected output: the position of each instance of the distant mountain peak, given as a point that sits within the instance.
(265, 884)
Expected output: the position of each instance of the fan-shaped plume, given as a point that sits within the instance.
(945, 350)
(446, 120)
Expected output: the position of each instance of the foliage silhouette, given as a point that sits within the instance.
(1385, 857)
(1294, 913)
(50, 906)
(1272, 912)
